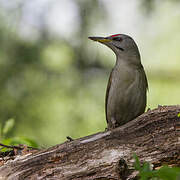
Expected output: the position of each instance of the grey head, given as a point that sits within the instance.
(123, 46)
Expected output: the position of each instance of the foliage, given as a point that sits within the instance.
(11, 141)
(164, 173)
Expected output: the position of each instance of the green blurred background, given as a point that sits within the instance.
(53, 79)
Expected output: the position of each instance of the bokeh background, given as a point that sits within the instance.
(53, 79)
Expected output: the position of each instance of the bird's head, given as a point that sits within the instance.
(123, 46)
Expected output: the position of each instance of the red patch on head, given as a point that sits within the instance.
(115, 35)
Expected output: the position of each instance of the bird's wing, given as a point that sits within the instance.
(107, 93)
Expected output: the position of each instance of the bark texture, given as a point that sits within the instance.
(154, 137)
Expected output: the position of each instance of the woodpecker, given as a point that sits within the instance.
(127, 85)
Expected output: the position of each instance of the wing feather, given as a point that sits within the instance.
(107, 93)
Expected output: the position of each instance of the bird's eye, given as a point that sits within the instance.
(117, 39)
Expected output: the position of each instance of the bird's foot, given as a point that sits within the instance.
(149, 109)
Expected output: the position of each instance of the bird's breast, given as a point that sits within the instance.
(125, 89)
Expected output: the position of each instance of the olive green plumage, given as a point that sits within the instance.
(127, 86)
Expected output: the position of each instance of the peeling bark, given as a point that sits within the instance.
(154, 137)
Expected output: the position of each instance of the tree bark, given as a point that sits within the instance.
(154, 137)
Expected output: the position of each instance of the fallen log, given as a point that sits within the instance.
(154, 137)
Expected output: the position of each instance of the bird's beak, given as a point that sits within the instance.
(100, 39)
